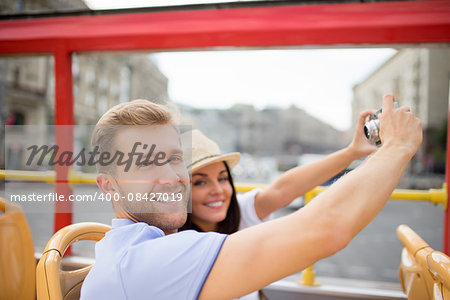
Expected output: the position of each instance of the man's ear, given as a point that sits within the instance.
(105, 183)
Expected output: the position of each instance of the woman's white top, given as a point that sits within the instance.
(249, 218)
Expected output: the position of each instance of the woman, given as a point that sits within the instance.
(217, 207)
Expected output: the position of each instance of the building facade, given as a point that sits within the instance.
(418, 78)
(275, 133)
(100, 81)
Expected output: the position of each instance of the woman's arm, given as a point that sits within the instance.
(297, 181)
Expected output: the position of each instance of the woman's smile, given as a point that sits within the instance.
(215, 204)
(211, 195)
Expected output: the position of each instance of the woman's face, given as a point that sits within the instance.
(211, 196)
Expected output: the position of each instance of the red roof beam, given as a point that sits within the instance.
(296, 25)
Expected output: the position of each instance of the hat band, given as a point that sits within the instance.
(199, 160)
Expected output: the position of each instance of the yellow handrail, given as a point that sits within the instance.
(435, 196)
(47, 176)
(39, 176)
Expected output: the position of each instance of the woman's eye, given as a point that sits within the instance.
(200, 182)
(222, 179)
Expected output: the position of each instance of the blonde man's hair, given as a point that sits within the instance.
(136, 112)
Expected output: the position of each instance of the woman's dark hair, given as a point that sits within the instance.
(231, 222)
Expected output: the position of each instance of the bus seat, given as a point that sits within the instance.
(17, 261)
(415, 278)
(439, 265)
(54, 283)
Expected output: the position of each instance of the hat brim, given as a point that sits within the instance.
(231, 159)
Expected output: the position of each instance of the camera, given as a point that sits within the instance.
(372, 127)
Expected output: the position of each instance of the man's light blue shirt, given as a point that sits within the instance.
(137, 261)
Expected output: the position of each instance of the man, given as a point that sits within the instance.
(136, 260)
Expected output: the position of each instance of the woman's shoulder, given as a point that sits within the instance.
(248, 196)
(247, 207)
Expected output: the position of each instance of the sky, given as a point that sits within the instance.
(117, 4)
(318, 81)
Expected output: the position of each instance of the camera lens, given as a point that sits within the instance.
(366, 131)
(372, 127)
(371, 130)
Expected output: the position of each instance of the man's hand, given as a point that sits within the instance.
(399, 127)
(360, 145)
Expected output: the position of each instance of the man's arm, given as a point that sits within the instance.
(297, 181)
(253, 258)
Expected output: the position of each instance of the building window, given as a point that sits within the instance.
(15, 118)
(16, 76)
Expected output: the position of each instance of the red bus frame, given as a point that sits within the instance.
(320, 25)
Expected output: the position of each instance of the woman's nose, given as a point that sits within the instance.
(216, 187)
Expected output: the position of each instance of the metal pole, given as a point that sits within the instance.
(446, 231)
(64, 115)
(4, 74)
(308, 275)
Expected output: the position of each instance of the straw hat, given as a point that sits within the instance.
(204, 151)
